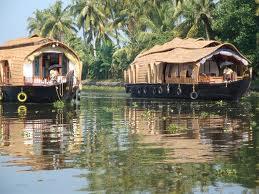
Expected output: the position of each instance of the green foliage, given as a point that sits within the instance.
(59, 104)
(83, 50)
(112, 109)
(173, 129)
(115, 32)
(205, 114)
(103, 89)
(197, 18)
(101, 67)
(220, 103)
(226, 172)
(54, 22)
(235, 22)
(134, 105)
(147, 114)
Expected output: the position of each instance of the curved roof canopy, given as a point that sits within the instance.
(23, 47)
(188, 51)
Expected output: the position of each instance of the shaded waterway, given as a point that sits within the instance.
(111, 143)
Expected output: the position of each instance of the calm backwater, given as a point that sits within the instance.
(114, 144)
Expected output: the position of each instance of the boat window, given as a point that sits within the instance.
(189, 72)
(178, 71)
(210, 68)
(48, 60)
(168, 70)
(6, 72)
(64, 64)
(36, 66)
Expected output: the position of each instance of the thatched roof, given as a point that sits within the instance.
(183, 51)
(20, 49)
(21, 42)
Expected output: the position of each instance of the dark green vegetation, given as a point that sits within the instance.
(103, 88)
(114, 32)
(59, 104)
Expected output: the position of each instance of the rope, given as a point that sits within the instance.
(168, 88)
(193, 88)
(58, 93)
(179, 87)
(61, 90)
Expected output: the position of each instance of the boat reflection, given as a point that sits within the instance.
(39, 134)
(190, 132)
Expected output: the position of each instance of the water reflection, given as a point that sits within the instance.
(139, 146)
(40, 135)
(193, 132)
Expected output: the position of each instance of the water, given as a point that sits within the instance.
(114, 144)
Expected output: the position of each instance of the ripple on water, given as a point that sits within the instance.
(113, 143)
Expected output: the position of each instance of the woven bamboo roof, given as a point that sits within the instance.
(24, 41)
(182, 51)
(21, 48)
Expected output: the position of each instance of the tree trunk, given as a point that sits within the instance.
(116, 31)
(208, 29)
(94, 44)
(117, 38)
(93, 40)
(85, 41)
(84, 35)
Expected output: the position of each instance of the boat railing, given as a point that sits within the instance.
(216, 79)
(37, 81)
(179, 80)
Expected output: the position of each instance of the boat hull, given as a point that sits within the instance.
(205, 91)
(39, 94)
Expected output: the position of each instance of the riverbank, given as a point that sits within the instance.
(103, 86)
(118, 86)
(109, 83)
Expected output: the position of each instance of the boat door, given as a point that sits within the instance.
(6, 72)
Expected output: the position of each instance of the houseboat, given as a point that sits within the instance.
(38, 69)
(191, 69)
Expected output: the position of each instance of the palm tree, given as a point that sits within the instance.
(36, 23)
(91, 19)
(196, 13)
(58, 22)
(54, 22)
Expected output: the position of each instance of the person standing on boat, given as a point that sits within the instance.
(53, 75)
(227, 73)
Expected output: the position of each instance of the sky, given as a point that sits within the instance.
(14, 14)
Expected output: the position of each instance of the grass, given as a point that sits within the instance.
(103, 80)
(103, 88)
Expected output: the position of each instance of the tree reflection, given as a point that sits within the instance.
(126, 145)
(145, 159)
